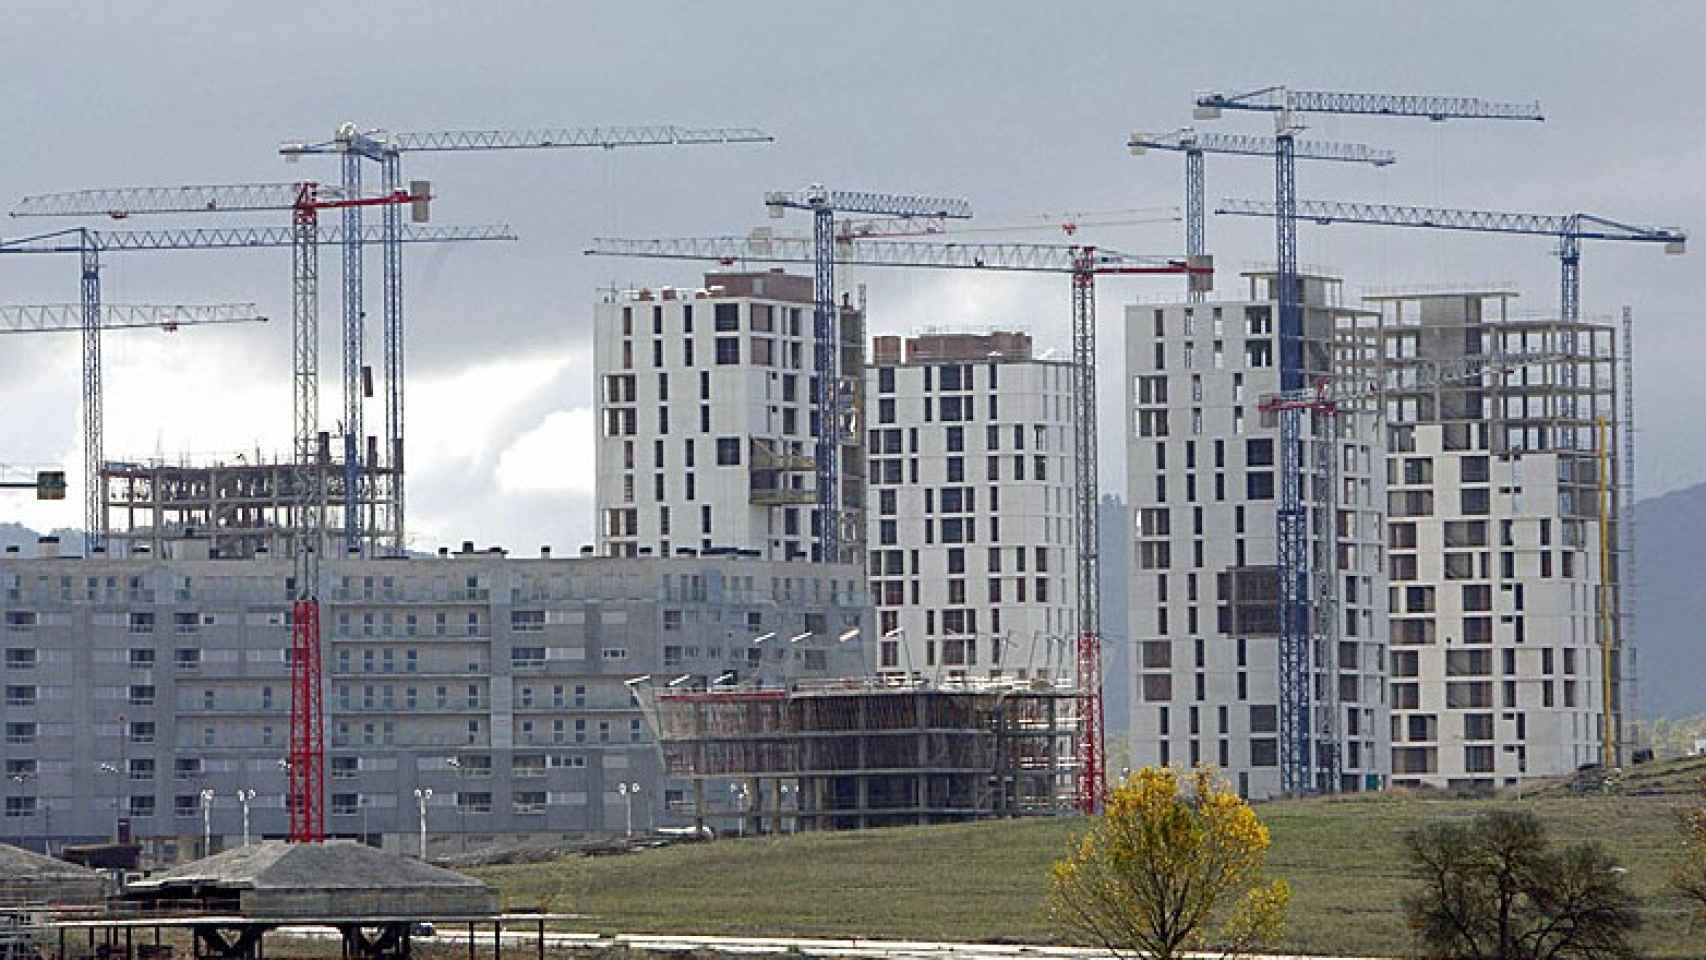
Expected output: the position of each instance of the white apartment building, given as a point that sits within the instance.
(1202, 483)
(1493, 536)
(708, 419)
(971, 545)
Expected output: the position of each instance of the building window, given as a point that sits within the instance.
(728, 451)
(728, 351)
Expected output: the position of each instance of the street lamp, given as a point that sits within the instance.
(20, 779)
(629, 791)
(455, 763)
(898, 634)
(678, 681)
(422, 795)
(759, 641)
(848, 636)
(206, 822)
(726, 677)
(113, 769)
(244, 797)
(738, 793)
(782, 803)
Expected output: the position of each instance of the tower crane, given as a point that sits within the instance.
(352, 145)
(1194, 144)
(1291, 521)
(1568, 229)
(824, 204)
(63, 317)
(304, 237)
(90, 244)
(1083, 263)
(1329, 398)
(304, 200)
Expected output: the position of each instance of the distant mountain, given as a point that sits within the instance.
(1670, 605)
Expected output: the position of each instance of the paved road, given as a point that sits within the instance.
(855, 949)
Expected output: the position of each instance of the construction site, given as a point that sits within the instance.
(838, 577)
(852, 755)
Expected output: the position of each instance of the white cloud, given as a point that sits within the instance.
(553, 457)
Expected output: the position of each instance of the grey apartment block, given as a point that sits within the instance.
(133, 685)
(1202, 483)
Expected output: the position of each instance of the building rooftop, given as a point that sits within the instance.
(17, 863)
(275, 878)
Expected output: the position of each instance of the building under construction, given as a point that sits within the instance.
(240, 510)
(843, 755)
(1509, 654)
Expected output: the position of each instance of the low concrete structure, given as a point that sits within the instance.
(27, 877)
(277, 880)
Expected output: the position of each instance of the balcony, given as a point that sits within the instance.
(781, 497)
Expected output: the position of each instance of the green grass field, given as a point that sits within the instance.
(984, 881)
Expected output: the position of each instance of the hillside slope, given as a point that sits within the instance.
(1670, 606)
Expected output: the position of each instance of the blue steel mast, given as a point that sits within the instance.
(831, 394)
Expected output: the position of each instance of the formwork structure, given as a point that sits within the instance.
(237, 510)
(859, 754)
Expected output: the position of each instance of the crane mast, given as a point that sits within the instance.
(1302, 766)
(834, 398)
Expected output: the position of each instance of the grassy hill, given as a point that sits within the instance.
(984, 881)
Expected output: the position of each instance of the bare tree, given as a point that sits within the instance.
(1493, 890)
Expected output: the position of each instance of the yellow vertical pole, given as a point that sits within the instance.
(1608, 745)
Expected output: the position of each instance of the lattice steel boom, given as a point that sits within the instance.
(1569, 230)
(824, 204)
(1280, 98)
(61, 317)
(1195, 143)
(440, 141)
(89, 316)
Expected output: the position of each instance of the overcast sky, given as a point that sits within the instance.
(1022, 107)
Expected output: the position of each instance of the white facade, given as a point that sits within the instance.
(1202, 483)
(972, 557)
(707, 419)
(1494, 546)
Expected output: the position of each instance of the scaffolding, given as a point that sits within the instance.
(236, 510)
(856, 754)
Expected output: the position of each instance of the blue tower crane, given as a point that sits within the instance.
(831, 396)
(1298, 762)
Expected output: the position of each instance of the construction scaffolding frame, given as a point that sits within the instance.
(856, 754)
(240, 510)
